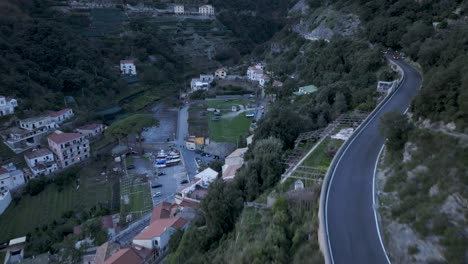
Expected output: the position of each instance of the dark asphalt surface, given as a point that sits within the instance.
(349, 213)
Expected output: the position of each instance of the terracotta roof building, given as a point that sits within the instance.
(70, 148)
(91, 130)
(156, 236)
(125, 256)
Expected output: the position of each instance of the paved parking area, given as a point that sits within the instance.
(170, 183)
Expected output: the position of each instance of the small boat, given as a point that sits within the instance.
(161, 154)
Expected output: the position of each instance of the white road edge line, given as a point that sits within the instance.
(373, 203)
(373, 197)
(367, 122)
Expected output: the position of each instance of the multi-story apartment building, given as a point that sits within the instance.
(70, 148)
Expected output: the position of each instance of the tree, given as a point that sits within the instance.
(140, 121)
(339, 106)
(216, 165)
(395, 127)
(267, 155)
(133, 124)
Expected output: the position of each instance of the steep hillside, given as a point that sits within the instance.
(338, 47)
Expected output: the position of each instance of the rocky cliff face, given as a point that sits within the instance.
(324, 23)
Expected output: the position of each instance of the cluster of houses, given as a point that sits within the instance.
(63, 149)
(28, 133)
(204, 10)
(203, 83)
(256, 74)
(149, 245)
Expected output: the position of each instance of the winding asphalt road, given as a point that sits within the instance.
(351, 224)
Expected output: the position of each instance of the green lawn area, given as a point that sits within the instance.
(319, 158)
(221, 104)
(229, 129)
(225, 129)
(50, 204)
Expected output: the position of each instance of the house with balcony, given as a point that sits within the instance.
(28, 133)
(11, 177)
(41, 161)
(34, 123)
(127, 67)
(7, 105)
(69, 148)
(61, 116)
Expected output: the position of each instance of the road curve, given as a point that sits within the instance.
(353, 235)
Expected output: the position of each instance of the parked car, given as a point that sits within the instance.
(156, 185)
(157, 194)
(184, 181)
(130, 167)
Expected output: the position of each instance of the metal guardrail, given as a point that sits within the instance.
(322, 233)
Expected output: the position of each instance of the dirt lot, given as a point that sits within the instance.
(167, 117)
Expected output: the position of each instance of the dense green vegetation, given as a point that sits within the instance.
(426, 182)
(441, 50)
(260, 20)
(44, 58)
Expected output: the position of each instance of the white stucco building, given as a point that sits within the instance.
(179, 9)
(91, 130)
(128, 67)
(61, 116)
(41, 161)
(207, 176)
(254, 73)
(10, 177)
(7, 105)
(206, 10)
(34, 123)
(156, 236)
